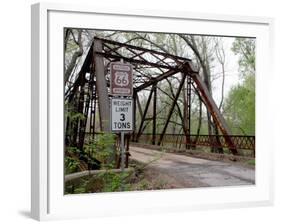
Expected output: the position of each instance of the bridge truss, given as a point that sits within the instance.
(88, 92)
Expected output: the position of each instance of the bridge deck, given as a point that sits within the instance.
(185, 171)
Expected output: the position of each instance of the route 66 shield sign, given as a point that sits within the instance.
(121, 79)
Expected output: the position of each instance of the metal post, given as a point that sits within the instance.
(139, 104)
(122, 146)
(188, 111)
(135, 113)
(171, 110)
(154, 113)
(94, 111)
(127, 150)
(101, 87)
(122, 151)
(144, 114)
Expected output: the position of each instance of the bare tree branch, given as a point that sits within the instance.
(75, 56)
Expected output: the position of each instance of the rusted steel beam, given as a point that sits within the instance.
(188, 118)
(156, 79)
(154, 113)
(110, 48)
(134, 115)
(101, 87)
(171, 110)
(79, 123)
(134, 61)
(143, 49)
(94, 111)
(137, 54)
(139, 105)
(162, 60)
(91, 92)
(214, 110)
(177, 105)
(83, 123)
(85, 68)
(144, 114)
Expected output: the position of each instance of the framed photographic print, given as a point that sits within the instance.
(149, 110)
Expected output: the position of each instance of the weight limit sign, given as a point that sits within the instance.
(121, 115)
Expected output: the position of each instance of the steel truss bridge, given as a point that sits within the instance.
(87, 91)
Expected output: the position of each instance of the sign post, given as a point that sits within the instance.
(121, 87)
(122, 153)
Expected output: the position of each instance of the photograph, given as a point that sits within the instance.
(157, 111)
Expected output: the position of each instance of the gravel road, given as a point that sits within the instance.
(185, 171)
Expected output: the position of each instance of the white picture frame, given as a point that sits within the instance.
(48, 201)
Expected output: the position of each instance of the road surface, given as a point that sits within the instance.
(185, 171)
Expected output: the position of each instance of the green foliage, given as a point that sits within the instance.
(245, 48)
(82, 188)
(75, 116)
(239, 107)
(71, 165)
(251, 162)
(108, 181)
(71, 114)
(113, 181)
(72, 117)
(72, 149)
(102, 148)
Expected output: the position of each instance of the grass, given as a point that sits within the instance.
(140, 179)
(251, 162)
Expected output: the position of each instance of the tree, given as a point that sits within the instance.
(221, 58)
(74, 42)
(239, 107)
(245, 48)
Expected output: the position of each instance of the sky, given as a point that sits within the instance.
(231, 71)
